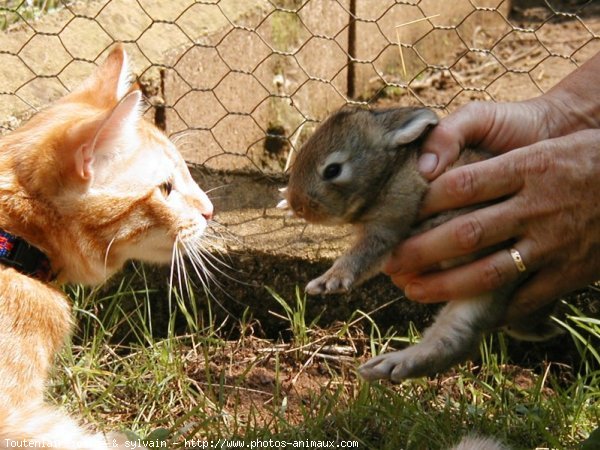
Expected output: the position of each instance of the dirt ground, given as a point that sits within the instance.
(288, 254)
(220, 109)
(207, 89)
(280, 252)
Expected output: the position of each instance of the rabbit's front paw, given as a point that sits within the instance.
(333, 281)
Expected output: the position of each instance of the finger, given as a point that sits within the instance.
(440, 149)
(543, 288)
(401, 280)
(468, 126)
(474, 183)
(460, 236)
(483, 275)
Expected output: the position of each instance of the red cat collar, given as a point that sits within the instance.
(27, 259)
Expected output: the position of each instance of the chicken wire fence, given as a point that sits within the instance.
(239, 84)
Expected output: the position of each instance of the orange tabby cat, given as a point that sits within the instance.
(85, 185)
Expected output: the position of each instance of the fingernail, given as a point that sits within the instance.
(415, 291)
(427, 162)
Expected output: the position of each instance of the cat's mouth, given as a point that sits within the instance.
(191, 234)
(197, 253)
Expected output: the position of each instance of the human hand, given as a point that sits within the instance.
(572, 105)
(495, 127)
(548, 210)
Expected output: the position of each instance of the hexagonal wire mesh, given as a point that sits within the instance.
(239, 84)
(242, 80)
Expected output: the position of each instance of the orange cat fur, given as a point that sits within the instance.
(92, 185)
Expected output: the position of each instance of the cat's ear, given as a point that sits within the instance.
(108, 83)
(93, 144)
(410, 126)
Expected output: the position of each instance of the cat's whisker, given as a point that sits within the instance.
(209, 245)
(189, 251)
(221, 288)
(182, 276)
(205, 264)
(206, 278)
(106, 254)
(200, 264)
(214, 189)
(213, 243)
(180, 264)
(208, 251)
(186, 279)
(221, 232)
(200, 254)
(174, 260)
(197, 262)
(220, 238)
(176, 137)
(206, 261)
(201, 257)
(218, 261)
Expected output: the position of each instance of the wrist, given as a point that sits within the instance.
(574, 103)
(567, 112)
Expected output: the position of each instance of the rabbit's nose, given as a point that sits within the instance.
(299, 211)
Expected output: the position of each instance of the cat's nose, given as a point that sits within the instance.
(203, 204)
(208, 215)
(206, 208)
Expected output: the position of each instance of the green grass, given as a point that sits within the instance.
(200, 385)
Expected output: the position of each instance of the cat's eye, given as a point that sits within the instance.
(332, 171)
(166, 188)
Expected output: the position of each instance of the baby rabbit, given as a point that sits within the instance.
(360, 167)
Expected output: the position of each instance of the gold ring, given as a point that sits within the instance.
(516, 256)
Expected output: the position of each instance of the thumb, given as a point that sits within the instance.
(469, 125)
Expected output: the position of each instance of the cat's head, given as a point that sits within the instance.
(93, 184)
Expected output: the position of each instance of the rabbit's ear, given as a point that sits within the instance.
(409, 125)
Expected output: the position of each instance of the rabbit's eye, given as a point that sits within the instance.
(332, 171)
